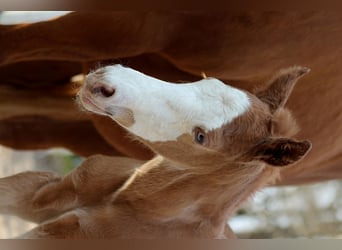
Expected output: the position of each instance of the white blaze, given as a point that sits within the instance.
(163, 111)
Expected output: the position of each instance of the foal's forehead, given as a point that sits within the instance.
(255, 116)
(248, 128)
(217, 103)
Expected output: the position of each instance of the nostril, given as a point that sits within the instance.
(106, 91)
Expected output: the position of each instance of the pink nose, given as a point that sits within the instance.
(102, 89)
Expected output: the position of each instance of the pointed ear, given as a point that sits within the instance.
(280, 151)
(280, 88)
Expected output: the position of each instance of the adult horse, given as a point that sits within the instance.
(241, 49)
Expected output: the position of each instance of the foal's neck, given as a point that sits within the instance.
(162, 190)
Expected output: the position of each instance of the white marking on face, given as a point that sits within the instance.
(164, 111)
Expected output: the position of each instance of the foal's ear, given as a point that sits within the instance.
(280, 151)
(280, 88)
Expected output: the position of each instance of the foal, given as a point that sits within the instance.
(215, 145)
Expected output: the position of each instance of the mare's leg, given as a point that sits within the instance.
(38, 132)
(84, 36)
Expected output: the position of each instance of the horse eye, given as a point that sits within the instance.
(199, 136)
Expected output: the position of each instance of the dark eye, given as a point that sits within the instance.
(199, 136)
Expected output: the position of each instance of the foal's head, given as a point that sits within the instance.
(204, 123)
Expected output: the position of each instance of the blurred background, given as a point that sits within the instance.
(310, 211)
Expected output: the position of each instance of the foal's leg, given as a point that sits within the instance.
(38, 196)
(17, 192)
(67, 226)
(228, 232)
(91, 222)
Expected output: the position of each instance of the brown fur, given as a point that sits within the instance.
(189, 190)
(241, 48)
